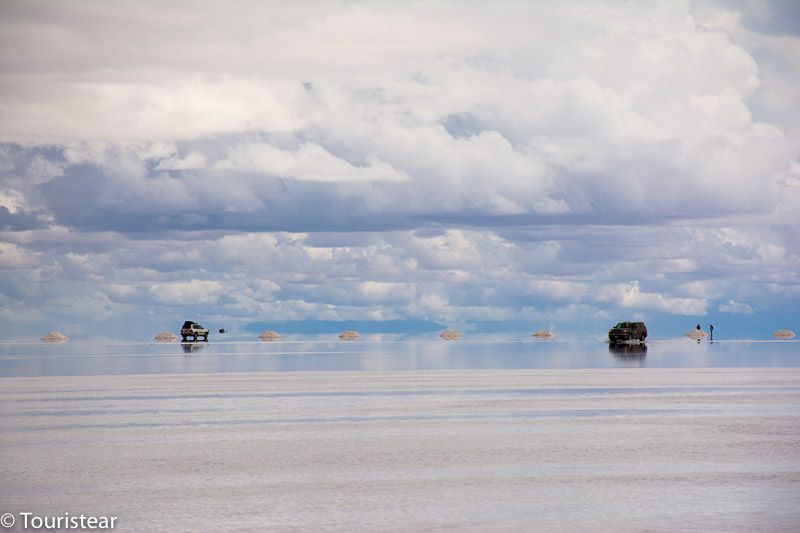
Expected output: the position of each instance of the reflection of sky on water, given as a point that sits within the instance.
(131, 358)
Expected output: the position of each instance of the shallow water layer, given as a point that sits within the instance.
(607, 449)
(82, 358)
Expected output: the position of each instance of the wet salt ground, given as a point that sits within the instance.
(81, 358)
(485, 448)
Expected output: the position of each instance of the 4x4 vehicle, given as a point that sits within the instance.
(627, 331)
(193, 331)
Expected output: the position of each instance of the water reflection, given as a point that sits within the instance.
(192, 347)
(638, 349)
(334, 355)
(631, 354)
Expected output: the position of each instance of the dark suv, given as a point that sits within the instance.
(627, 331)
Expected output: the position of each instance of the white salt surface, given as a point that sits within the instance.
(479, 450)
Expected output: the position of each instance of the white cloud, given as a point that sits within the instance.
(442, 160)
(13, 256)
(630, 296)
(723, 112)
(558, 289)
(378, 291)
(433, 305)
(13, 200)
(120, 291)
(739, 308)
(192, 292)
(450, 250)
(310, 162)
(182, 108)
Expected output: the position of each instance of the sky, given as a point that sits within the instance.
(488, 166)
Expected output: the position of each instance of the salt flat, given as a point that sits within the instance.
(657, 449)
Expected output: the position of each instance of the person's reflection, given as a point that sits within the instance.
(191, 347)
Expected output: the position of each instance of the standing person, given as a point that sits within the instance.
(698, 327)
(711, 331)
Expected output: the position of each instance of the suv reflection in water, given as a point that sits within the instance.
(628, 350)
(191, 347)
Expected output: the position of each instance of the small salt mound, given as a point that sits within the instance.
(267, 336)
(696, 334)
(450, 335)
(166, 336)
(348, 335)
(54, 336)
(544, 334)
(783, 334)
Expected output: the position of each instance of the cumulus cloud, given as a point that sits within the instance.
(13, 256)
(13, 201)
(630, 296)
(450, 161)
(309, 162)
(739, 308)
(190, 292)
